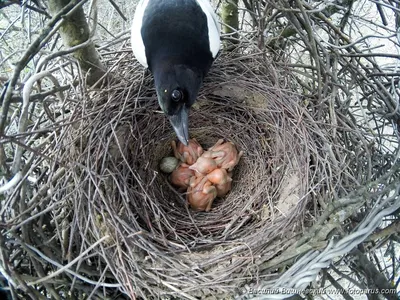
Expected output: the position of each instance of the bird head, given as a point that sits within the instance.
(177, 87)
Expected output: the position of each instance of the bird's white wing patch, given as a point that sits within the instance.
(213, 25)
(136, 35)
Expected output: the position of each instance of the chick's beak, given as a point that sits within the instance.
(180, 124)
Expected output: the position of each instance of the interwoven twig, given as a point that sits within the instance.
(308, 267)
(86, 211)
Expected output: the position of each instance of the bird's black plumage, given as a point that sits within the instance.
(178, 41)
(178, 30)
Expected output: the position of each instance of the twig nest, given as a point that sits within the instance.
(168, 164)
(158, 237)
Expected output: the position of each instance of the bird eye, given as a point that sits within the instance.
(176, 95)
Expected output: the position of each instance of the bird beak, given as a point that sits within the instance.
(180, 124)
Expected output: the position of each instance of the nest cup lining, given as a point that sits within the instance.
(132, 201)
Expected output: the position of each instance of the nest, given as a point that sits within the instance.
(88, 214)
(150, 240)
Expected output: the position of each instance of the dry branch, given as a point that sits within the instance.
(89, 212)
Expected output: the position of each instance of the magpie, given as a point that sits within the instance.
(178, 41)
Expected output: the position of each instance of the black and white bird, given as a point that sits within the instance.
(178, 41)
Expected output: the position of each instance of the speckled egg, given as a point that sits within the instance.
(168, 164)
